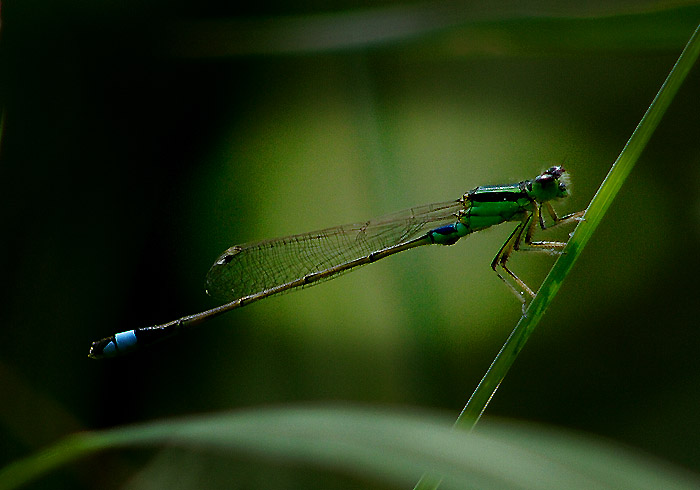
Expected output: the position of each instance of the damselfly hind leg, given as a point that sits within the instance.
(501, 260)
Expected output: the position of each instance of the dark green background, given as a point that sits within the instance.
(135, 151)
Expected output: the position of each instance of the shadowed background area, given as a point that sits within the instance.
(141, 139)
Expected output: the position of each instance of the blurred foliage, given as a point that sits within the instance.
(128, 166)
(386, 446)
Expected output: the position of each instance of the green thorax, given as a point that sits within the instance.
(486, 206)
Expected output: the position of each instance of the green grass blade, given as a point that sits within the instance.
(392, 447)
(561, 268)
(594, 214)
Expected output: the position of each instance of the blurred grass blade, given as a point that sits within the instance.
(594, 214)
(457, 28)
(387, 446)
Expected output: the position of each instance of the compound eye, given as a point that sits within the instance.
(544, 178)
(556, 171)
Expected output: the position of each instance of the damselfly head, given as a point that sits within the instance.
(551, 184)
(550, 174)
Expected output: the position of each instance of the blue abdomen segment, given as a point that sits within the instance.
(119, 343)
(448, 234)
(130, 340)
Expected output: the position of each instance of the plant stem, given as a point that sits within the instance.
(594, 214)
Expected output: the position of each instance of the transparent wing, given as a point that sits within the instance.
(254, 267)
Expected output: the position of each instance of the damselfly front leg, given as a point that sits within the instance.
(523, 234)
(548, 246)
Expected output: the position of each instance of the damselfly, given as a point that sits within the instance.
(253, 271)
